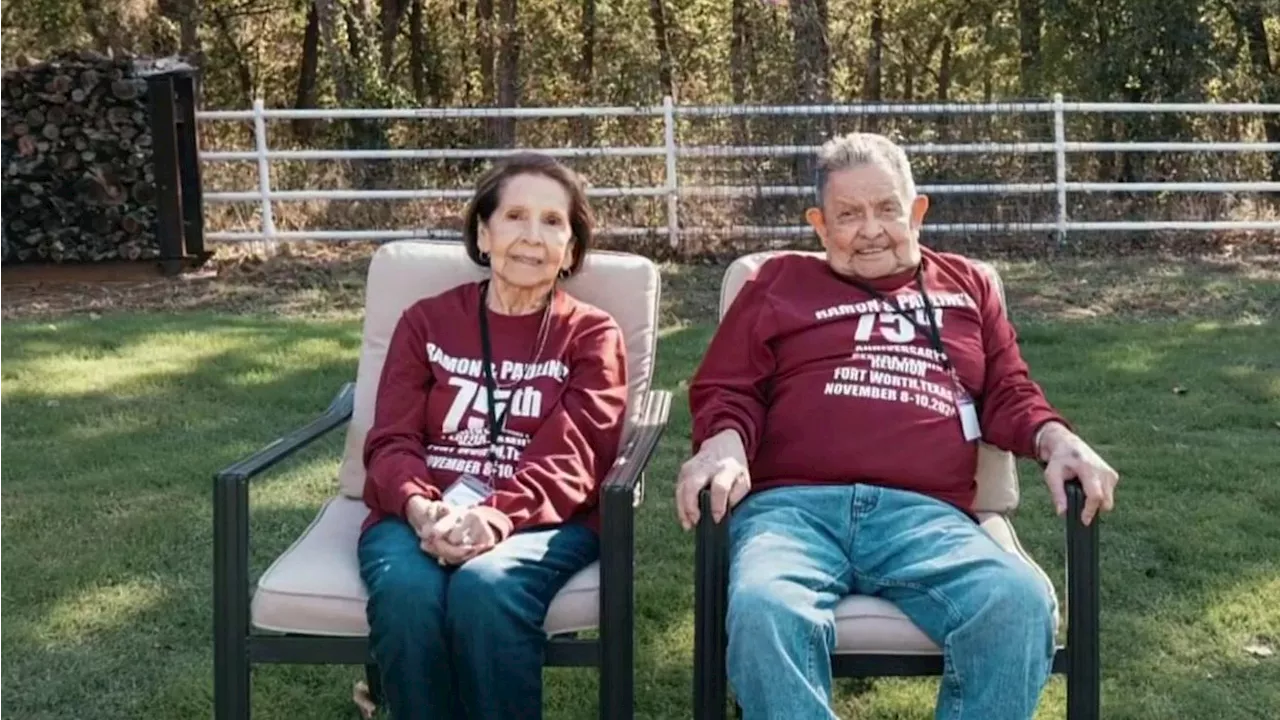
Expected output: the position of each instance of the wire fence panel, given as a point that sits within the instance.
(726, 177)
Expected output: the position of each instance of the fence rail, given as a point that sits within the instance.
(1059, 186)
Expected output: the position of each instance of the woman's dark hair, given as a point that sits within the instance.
(489, 194)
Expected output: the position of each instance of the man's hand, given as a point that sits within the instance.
(720, 462)
(458, 537)
(1066, 457)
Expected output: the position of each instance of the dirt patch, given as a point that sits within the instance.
(1237, 286)
(299, 280)
(314, 279)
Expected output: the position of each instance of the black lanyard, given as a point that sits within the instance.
(932, 332)
(496, 421)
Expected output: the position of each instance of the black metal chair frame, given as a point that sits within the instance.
(1079, 659)
(237, 647)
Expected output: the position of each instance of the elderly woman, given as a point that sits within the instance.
(499, 411)
(839, 407)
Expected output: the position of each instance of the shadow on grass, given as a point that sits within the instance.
(113, 431)
(1187, 414)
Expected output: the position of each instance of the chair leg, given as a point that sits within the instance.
(231, 684)
(374, 678)
(1083, 697)
(231, 665)
(711, 578)
(616, 690)
(617, 608)
(1084, 661)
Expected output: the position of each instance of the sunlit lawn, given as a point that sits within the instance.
(112, 428)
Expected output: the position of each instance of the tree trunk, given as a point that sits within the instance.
(909, 69)
(871, 87)
(1265, 72)
(305, 96)
(1030, 26)
(587, 69)
(508, 69)
(417, 53)
(244, 74)
(189, 26)
(738, 67)
(812, 72)
(666, 67)
(484, 28)
(812, 68)
(944, 70)
(460, 17)
(1106, 161)
(334, 56)
(392, 13)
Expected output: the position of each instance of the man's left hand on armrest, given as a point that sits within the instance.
(1066, 456)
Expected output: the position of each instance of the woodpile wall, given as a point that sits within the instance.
(79, 181)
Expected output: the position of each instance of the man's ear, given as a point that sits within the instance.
(817, 221)
(919, 207)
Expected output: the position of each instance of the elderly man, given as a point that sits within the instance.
(838, 408)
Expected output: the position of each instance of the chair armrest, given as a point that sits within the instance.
(1083, 597)
(625, 477)
(231, 528)
(622, 490)
(710, 609)
(338, 412)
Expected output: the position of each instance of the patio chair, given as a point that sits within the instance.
(308, 607)
(873, 637)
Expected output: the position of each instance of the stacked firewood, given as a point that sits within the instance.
(79, 185)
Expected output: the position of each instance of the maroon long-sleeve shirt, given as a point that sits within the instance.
(567, 406)
(827, 385)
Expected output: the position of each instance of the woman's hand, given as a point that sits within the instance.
(422, 514)
(458, 537)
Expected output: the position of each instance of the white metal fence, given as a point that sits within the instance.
(1059, 187)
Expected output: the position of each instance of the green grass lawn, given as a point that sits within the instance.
(113, 427)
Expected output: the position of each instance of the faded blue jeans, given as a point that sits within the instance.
(465, 642)
(796, 551)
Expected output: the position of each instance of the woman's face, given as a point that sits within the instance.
(528, 237)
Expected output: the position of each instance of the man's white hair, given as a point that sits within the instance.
(845, 152)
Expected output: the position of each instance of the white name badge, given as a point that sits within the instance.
(968, 418)
(467, 491)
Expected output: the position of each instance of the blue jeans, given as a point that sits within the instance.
(796, 551)
(465, 642)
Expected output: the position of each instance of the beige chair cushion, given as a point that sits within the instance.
(997, 473)
(315, 588)
(867, 624)
(403, 272)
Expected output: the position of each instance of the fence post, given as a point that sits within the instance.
(1060, 166)
(672, 185)
(264, 176)
(164, 148)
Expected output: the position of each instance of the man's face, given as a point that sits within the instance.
(867, 225)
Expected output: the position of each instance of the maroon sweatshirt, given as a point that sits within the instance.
(826, 385)
(563, 426)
